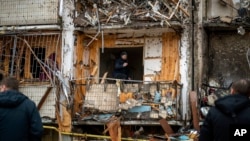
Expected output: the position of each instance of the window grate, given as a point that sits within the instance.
(32, 57)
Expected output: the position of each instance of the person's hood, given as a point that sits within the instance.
(11, 98)
(232, 104)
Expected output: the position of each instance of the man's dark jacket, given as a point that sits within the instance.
(232, 109)
(19, 118)
(120, 71)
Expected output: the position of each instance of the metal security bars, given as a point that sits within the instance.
(31, 57)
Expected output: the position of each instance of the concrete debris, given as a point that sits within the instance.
(226, 19)
(182, 135)
(229, 20)
(127, 11)
(130, 103)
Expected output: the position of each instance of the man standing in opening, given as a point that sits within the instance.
(121, 70)
(229, 110)
(19, 117)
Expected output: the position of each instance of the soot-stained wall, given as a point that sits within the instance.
(228, 57)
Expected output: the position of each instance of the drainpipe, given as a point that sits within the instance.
(61, 8)
(192, 47)
(31, 27)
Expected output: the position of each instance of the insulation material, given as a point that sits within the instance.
(29, 12)
(35, 93)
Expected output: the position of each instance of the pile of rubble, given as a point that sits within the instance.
(104, 12)
(183, 134)
(133, 101)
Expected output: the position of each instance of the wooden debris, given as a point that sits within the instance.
(104, 77)
(93, 73)
(114, 128)
(166, 127)
(125, 12)
(195, 113)
(46, 94)
(66, 120)
(181, 8)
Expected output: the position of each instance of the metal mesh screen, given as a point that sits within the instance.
(31, 57)
(23, 12)
(36, 93)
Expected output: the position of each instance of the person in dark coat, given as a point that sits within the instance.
(121, 70)
(19, 117)
(229, 110)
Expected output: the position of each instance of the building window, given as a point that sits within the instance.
(35, 67)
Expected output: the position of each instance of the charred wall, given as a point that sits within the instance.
(228, 57)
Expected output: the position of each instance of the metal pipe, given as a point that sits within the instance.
(32, 27)
(88, 135)
(47, 33)
(99, 26)
(125, 80)
(13, 56)
(102, 42)
(192, 48)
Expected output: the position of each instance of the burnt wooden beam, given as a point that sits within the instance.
(181, 8)
(166, 127)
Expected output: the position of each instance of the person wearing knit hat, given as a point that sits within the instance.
(121, 70)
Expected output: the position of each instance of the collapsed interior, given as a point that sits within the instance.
(153, 57)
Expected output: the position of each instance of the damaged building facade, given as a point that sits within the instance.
(222, 46)
(63, 53)
(150, 32)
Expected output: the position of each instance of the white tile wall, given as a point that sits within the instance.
(26, 12)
